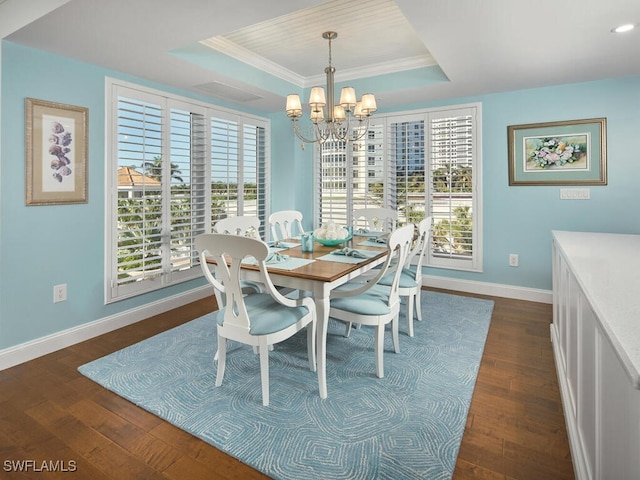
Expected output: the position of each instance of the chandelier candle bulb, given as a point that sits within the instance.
(357, 112)
(317, 98)
(317, 115)
(369, 103)
(294, 107)
(348, 98)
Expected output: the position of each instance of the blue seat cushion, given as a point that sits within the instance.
(266, 315)
(407, 279)
(410, 270)
(377, 289)
(372, 302)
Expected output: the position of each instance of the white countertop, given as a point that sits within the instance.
(607, 267)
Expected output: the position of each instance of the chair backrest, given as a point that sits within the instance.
(228, 251)
(282, 223)
(245, 226)
(420, 246)
(375, 219)
(399, 245)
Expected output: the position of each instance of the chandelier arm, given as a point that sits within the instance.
(348, 126)
(296, 130)
(325, 134)
(363, 131)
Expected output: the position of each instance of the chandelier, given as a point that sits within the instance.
(340, 122)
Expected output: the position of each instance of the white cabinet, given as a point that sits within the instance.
(596, 340)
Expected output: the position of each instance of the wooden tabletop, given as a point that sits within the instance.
(322, 270)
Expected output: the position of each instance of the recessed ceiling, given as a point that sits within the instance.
(374, 38)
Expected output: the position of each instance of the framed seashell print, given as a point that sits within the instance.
(56, 153)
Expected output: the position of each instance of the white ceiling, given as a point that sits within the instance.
(481, 46)
(355, 52)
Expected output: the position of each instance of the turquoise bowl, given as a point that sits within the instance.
(331, 243)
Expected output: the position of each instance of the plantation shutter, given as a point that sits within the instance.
(140, 131)
(254, 171)
(419, 163)
(175, 167)
(185, 175)
(371, 172)
(453, 152)
(224, 168)
(406, 151)
(352, 175)
(238, 168)
(334, 189)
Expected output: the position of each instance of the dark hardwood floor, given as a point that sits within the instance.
(50, 413)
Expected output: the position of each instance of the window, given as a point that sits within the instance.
(238, 173)
(426, 163)
(175, 168)
(336, 198)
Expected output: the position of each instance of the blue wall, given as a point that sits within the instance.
(47, 245)
(520, 219)
(43, 246)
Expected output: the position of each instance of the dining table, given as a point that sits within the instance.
(318, 272)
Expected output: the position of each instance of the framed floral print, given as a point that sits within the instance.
(572, 152)
(56, 153)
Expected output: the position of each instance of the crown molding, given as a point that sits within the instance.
(233, 50)
(400, 65)
(246, 56)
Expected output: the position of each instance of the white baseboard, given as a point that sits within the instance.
(24, 352)
(484, 288)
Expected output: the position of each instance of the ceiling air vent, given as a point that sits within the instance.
(226, 92)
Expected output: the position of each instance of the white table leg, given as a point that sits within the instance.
(321, 297)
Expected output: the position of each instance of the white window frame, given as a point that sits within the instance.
(471, 262)
(169, 275)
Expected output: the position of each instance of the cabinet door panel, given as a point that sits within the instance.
(586, 393)
(571, 336)
(618, 418)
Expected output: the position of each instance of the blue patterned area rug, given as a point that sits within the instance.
(407, 425)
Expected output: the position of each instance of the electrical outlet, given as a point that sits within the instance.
(513, 259)
(59, 293)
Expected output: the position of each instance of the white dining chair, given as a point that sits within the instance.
(256, 319)
(410, 284)
(375, 219)
(372, 304)
(285, 224)
(244, 225)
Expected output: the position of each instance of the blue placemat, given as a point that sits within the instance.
(372, 243)
(283, 245)
(290, 263)
(332, 257)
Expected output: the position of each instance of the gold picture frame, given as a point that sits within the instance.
(56, 153)
(572, 152)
